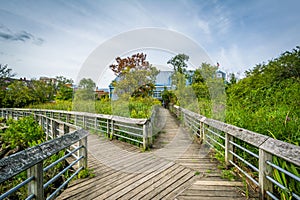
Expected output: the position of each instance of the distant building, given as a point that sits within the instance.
(101, 92)
(163, 80)
(221, 74)
(48, 80)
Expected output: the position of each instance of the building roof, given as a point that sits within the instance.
(163, 78)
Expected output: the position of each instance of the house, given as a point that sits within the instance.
(163, 80)
(101, 92)
(221, 74)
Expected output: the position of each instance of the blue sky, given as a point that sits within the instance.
(49, 38)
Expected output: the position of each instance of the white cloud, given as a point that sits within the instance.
(203, 25)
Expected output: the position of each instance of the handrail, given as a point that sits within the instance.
(63, 135)
(231, 140)
(137, 130)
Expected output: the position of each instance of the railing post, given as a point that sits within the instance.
(54, 126)
(75, 120)
(36, 185)
(107, 127)
(202, 129)
(52, 114)
(150, 134)
(95, 124)
(83, 152)
(264, 170)
(43, 123)
(145, 136)
(66, 128)
(84, 122)
(112, 129)
(228, 148)
(68, 118)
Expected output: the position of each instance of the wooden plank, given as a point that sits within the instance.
(139, 182)
(159, 182)
(134, 194)
(210, 198)
(179, 182)
(156, 192)
(219, 183)
(138, 178)
(212, 193)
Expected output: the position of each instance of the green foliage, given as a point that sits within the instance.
(21, 93)
(267, 100)
(180, 73)
(135, 76)
(168, 96)
(17, 95)
(228, 174)
(64, 93)
(57, 105)
(197, 173)
(86, 90)
(86, 173)
(288, 182)
(22, 133)
(41, 91)
(179, 63)
(134, 107)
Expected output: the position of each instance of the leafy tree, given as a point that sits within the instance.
(124, 65)
(62, 81)
(64, 89)
(64, 93)
(135, 76)
(5, 73)
(87, 84)
(18, 95)
(41, 91)
(86, 90)
(179, 65)
(232, 79)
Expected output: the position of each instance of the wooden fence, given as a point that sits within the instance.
(134, 130)
(271, 165)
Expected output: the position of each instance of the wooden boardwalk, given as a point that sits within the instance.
(176, 168)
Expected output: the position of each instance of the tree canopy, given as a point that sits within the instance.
(135, 76)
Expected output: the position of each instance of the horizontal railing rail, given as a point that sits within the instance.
(136, 130)
(256, 156)
(62, 136)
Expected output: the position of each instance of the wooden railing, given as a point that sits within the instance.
(271, 165)
(61, 136)
(136, 130)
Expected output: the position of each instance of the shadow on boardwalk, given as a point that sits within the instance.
(176, 168)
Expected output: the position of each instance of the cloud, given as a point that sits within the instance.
(23, 36)
(204, 26)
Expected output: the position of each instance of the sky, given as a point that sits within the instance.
(56, 37)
